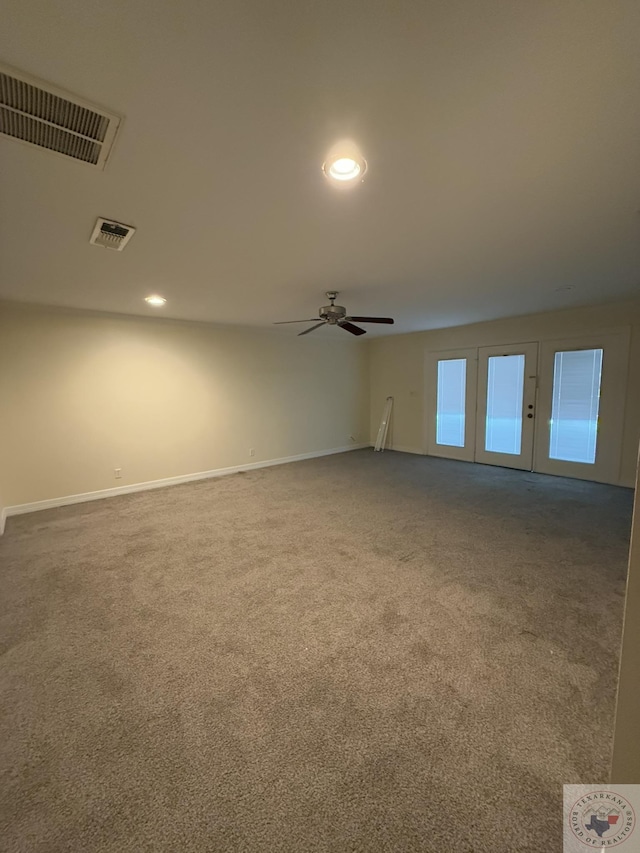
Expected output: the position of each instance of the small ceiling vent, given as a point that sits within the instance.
(34, 112)
(111, 235)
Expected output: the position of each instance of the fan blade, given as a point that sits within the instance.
(371, 319)
(306, 331)
(281, 322)
(355, 330)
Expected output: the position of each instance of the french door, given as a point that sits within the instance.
(453, 376)
(506, 405)
(582, 393)
(556, 407)
(484, 404)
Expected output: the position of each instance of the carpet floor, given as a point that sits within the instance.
(362, 652)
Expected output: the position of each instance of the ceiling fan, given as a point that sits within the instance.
(336, 315)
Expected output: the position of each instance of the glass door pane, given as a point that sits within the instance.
(450, 403)
(573, 429)
(505, 389)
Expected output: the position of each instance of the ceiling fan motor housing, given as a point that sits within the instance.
(333, 313)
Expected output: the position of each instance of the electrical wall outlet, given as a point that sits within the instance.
(252, 451)
(118, 473)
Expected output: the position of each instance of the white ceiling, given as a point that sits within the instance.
(502, 139)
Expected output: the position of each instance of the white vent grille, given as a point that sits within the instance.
(39, 114)
(111, 235)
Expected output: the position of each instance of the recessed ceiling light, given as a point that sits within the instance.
(156, 300)
(345, 163)
(344, 169)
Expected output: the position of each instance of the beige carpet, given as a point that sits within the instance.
(365, 652)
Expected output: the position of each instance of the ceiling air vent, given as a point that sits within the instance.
(34, 112)
(111, 235)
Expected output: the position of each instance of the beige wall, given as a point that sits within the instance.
(83, 393)
(3, 502)
(625, 768)
(397, 367)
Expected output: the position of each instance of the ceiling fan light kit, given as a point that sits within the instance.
(336, 315)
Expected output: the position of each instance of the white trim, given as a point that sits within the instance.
(21, 509)
(3, 518)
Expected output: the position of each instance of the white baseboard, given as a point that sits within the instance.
(21, 509)
(3, 518)
(403, 449)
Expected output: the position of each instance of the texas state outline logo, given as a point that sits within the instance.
(600, 817)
